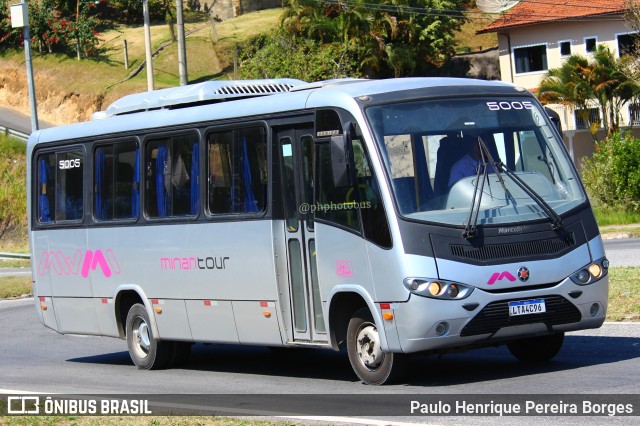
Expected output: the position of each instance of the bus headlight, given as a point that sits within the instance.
(591, 272)
(438, 289)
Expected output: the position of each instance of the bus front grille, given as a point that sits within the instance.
(544, 247)
(495, 316)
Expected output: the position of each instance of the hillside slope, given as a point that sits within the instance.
(70, 91)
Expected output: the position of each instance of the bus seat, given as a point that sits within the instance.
(451, 149)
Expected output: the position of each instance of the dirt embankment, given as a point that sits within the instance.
(55, 104)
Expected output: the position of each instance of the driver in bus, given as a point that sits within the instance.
(469, 163)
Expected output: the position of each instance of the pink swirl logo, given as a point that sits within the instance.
(80, 263)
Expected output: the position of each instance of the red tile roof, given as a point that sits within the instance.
(531, 12)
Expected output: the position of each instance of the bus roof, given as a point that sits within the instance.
(171, 107)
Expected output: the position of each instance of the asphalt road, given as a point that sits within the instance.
(17, 121)
(623, 252)
(36, 359)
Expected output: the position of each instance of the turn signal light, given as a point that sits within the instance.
(158, 310)
(388, 316)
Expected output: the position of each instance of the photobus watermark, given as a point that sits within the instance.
(37, 405)
(326, 207)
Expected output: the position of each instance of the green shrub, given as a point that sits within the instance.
(278, 56)
(612, 175)
(13, 200)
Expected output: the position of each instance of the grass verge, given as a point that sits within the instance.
(15, 263)
(14, 287)
(624, 294)
(615, 216)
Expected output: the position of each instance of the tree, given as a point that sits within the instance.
(611, 86)
(8, 36)
(276, 55)
(602, 79)
(567, 86)
(395, 37)
(46, 25)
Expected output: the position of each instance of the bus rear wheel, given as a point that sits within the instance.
(146, 352)
(537, 349)
(370, 363)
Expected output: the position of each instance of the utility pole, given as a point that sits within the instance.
(147, 45)
(20, 18)
(182, 47)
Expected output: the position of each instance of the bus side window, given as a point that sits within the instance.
(60, 194)
(374, 218)
(350, 206)
(237, 171)
(46, 187)
(171, 174)
(333, 204)
(115, 184)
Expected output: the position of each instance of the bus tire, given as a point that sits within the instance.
(146, 352)
(370, 363)
(537, 349)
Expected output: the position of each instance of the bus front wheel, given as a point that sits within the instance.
(370, 363)
(537, 349)
(146, 352)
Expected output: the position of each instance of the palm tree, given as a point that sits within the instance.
(602, 79)
(612, 87)
(568, 86)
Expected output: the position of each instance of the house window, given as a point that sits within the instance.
(586, 117)
(634, 114)
(565, 48)
(530, 59)
(590, 44)
(626, 43)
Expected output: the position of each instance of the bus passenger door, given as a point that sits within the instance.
(296, 150)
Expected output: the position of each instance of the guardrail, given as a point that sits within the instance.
(16, 134)
(14, 256)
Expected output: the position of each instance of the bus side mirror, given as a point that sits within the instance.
(340, 161)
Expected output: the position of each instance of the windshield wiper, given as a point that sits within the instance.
(474, 211)
(472, 222)
(556, 220)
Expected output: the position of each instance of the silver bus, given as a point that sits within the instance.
(385, 217)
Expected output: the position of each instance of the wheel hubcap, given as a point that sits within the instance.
(141, 337)
(368, 347)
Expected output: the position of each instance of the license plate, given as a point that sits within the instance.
(527, 307)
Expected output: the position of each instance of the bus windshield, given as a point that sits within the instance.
(432, 149)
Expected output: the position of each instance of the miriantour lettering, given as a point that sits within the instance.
(193, 263)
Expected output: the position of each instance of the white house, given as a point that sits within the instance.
(537, 35)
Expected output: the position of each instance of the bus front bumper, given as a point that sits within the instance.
(425, 324)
